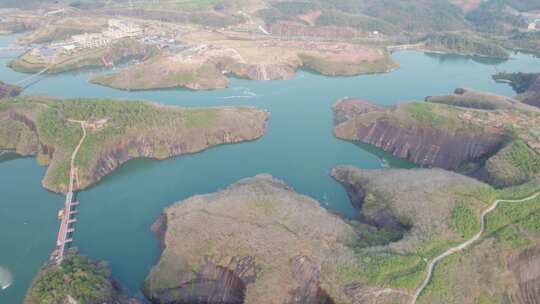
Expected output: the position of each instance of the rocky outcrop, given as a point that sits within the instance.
(526, 270)
(7, 91)
(307, 275)
(257, 241)
(416, 132)
(120, 151)
(427, 147)
(210, 284)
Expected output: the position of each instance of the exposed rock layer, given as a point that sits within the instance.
(8, 90)
(427, 145)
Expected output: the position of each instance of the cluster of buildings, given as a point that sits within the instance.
(117, 29)
(96, 124)
(534, 26)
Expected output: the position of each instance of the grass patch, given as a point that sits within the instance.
(511, 237)
(464, 221)
(514, 164)
(384, 269)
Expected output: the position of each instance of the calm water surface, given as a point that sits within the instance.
(299, 147)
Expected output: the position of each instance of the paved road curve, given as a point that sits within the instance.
(466, 244)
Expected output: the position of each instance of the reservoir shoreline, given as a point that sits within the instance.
(299, 148)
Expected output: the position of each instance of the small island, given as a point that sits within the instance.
(117, 131)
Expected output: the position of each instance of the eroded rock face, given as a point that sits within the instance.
(532, 95)
(212, 284)
(393, 130)
(526, 269)
(428, 147)
(188, 131)
(307, 274)
(255, 242)
(7, 91)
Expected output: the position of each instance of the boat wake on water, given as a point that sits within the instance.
(6, 278)
(246, 94)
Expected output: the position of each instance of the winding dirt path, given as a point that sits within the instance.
(466, 244)
(74, 155)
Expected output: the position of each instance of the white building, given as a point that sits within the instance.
(534, 26)
(91, 41)
(121, 28)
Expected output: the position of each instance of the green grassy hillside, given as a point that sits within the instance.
(39, 126)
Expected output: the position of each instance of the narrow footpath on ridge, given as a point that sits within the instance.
(466, 244)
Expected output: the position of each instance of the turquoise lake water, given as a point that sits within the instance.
(299, 147)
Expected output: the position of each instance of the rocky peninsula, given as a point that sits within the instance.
(214, 55)
(117, 132)
(457, 132)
